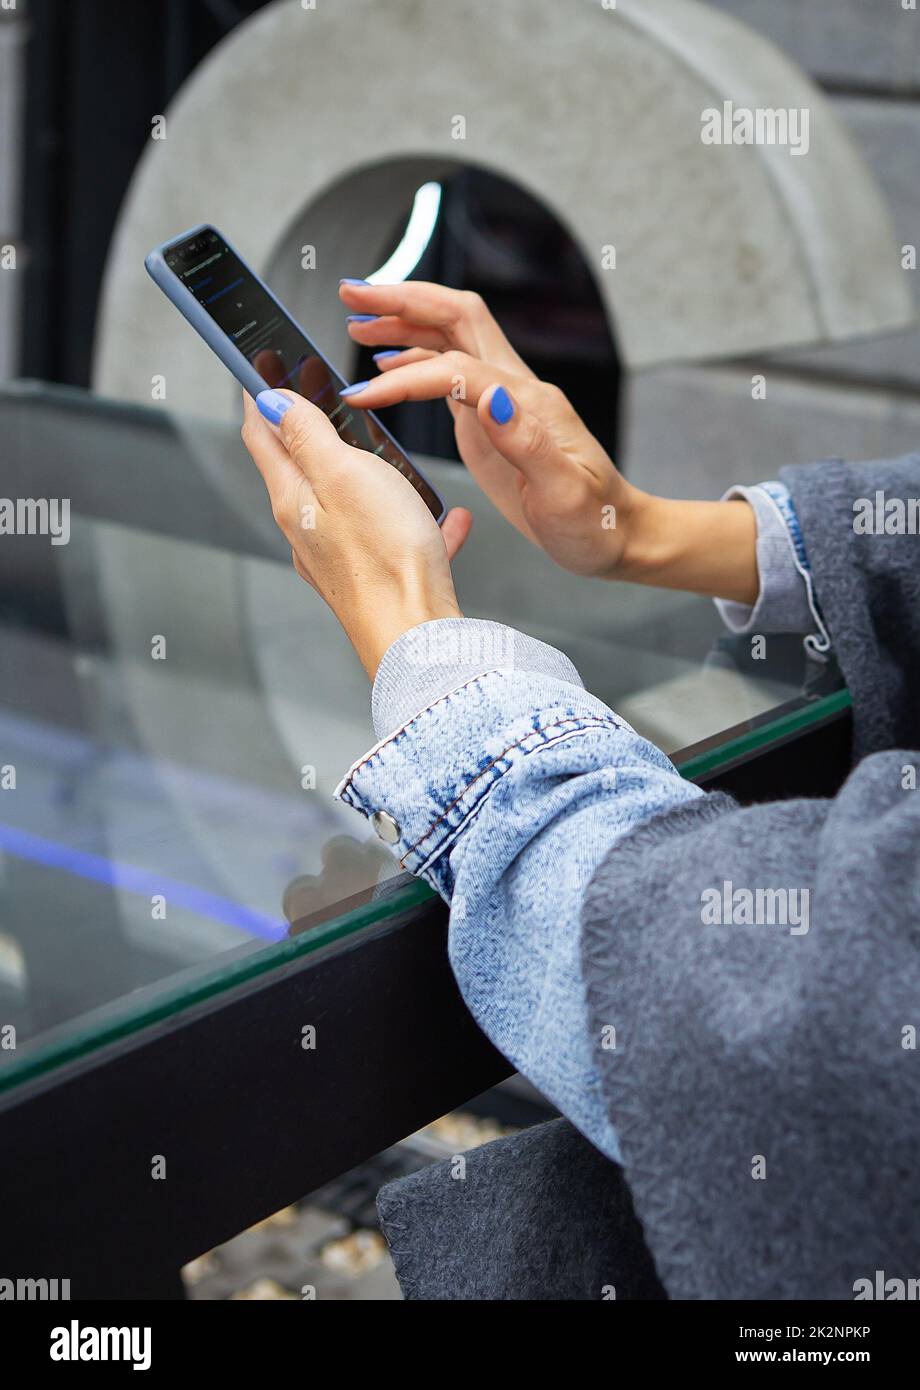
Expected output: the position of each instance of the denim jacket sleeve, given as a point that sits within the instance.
(786, 601)
(505, 793)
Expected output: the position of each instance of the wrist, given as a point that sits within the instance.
(637, 529)
(705, 548)
(376, 632)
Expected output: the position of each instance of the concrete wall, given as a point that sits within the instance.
(846, 43)
(858, 399)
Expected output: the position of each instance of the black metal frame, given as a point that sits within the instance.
(244, 1117)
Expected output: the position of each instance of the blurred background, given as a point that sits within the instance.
(659, 363)
(78, 91)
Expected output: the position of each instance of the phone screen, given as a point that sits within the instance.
(277, 349)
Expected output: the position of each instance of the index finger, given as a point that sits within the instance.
(459, 318)
(423, 302)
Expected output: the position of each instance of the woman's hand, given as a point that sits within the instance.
(533, 456)
(518, 436)
(359, 532)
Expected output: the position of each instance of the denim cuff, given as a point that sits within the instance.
(440, 656)
(422, 785)
(785, 602)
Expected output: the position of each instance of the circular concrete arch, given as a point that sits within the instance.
(314, 126)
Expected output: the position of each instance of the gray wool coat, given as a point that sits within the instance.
(765, 1086)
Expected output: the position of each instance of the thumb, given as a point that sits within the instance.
(306, 431)
(521, 438)
(455, 528)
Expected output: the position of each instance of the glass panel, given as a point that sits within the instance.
(176, 708)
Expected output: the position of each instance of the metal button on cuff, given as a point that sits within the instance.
(385, 826)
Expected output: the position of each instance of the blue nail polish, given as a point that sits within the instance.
(390, 352)
(346, 280)
(353, 390)
(273, 405)
(500, 407)
(361, 318)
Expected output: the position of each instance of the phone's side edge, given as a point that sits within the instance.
(203, 324)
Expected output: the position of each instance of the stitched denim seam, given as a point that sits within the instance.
(578, 722)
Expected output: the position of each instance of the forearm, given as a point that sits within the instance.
(505, 793)
(702, 547)
(707, 546)
(521, 875)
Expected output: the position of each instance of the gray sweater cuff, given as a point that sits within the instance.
(434, 658)
(782, 604)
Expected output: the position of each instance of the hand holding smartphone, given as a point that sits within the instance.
(257, 339)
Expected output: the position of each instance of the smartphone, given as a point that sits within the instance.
(263, 346)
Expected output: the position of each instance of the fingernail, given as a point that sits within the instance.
(390, 352)
(346, 280)
(353, 390)
(361, 318)
(273, 405)
(500, 407)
